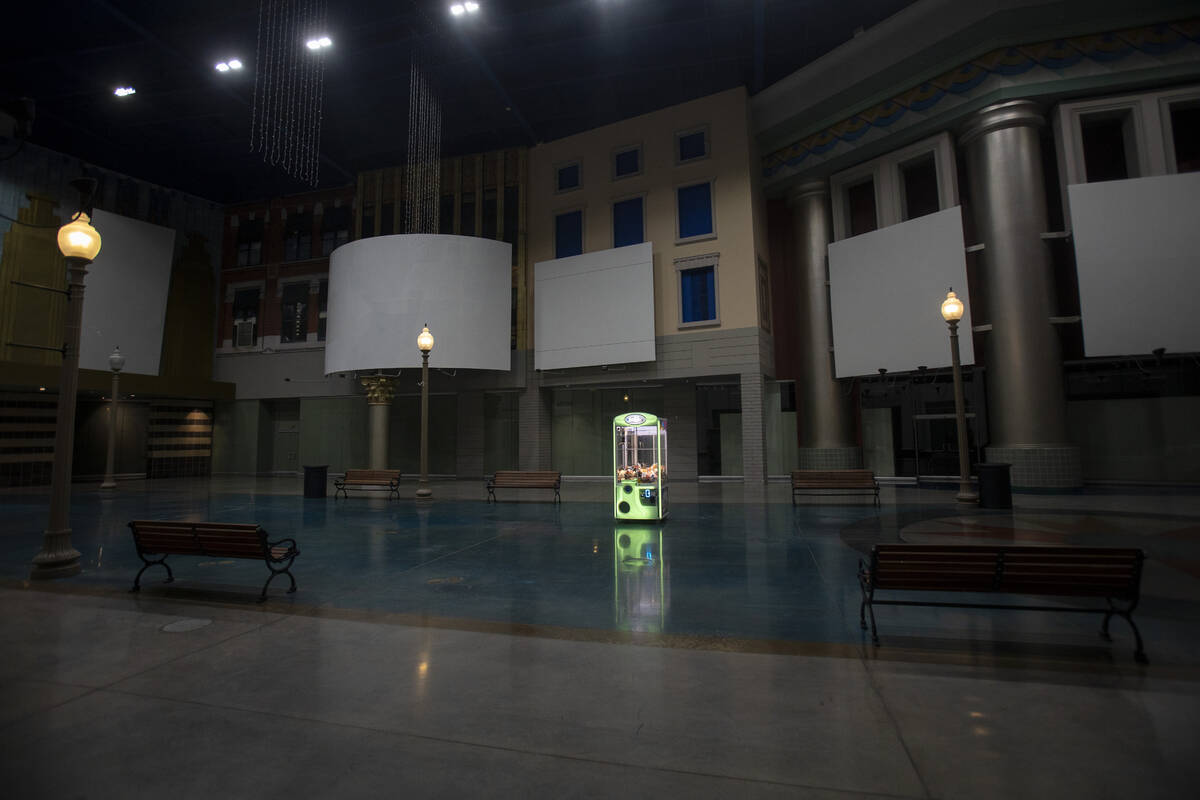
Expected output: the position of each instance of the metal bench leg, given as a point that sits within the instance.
(1139, 655)
(491, 495)
(275, 574)
(137, 581)
(1104, 634)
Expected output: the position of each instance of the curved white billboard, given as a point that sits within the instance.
(383, 289)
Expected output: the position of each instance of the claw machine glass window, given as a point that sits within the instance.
(639, 467)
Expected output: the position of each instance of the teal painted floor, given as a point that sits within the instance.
(526, 650)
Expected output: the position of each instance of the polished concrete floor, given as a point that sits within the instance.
(461, 649)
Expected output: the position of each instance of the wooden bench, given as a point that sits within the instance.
(212, 540)
(834, 481)
(1112, 573)
(527, 479)
(368, 479)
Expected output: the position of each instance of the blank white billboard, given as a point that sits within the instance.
(594, 309)
(1137, 255)
(382, 290)
(886, 290)
(125, 294)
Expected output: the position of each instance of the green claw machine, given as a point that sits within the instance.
(639, 467)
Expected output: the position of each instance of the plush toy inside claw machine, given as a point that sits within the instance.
(639, 467)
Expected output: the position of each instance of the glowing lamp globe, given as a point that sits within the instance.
(952, 307)
(116, 361)
(425, 340)
(78, 239)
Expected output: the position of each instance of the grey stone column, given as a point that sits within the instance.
(1026, 403)
(754, 444)
(679, 407)
(469, 439)
(824, 418)
(380, 391)
(533, 423)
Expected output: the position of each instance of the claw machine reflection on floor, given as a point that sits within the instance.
(641, 580)
(639, 467)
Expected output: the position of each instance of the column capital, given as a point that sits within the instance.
(1009, 114)
(380, 389)
(805, 189)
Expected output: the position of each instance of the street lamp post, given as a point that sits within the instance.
(952, 311)
(115, 362)
(425, 345)
(79, 243)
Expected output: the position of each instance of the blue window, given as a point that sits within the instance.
(693, 145)
(698, 294)
(627, 162)
(568, 234)
(695, 210)
(627, 222)
(568, 177)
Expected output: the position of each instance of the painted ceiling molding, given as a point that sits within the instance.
(1008, 66)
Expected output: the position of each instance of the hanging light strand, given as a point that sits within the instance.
(289, 87)
(422, 178)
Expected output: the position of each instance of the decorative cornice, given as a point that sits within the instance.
(1063, 57)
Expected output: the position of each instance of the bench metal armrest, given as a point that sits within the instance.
(293, 549)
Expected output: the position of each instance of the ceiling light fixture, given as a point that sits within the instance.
(319, 43)
(222, 67)
(124, 91)
(235, 64)
(469, 7)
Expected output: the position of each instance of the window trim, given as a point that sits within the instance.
(310, 336)
(231, 290)
(582, 229)
(616, 151)
(685, 264)
(1153, 140)
(706, 129)
(712, 201)
(612, 215)
(577, 162)
(1189, 94)
(889, 182)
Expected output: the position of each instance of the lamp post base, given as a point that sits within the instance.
(58, 559)
(967, 497)
(109, 484)
(424, 491)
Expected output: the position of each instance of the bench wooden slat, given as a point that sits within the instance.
(837, 481)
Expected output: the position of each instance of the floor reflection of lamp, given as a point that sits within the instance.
(115, 362)
(952, 311)
(425, 345)
(79, 243)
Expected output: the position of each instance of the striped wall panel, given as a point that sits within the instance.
(179, 440)
(27, 423)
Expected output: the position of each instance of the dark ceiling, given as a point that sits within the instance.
(516, 73)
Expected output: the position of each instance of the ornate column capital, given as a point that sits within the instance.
(380, 389)
(1010, 114)
(796, 194)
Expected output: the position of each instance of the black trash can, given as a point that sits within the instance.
(995, 485)
(314, 480)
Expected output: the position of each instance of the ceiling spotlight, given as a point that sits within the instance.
(123, 91)
(318, 43)
(235, 64)
(222, 67)
(471, 7)
(458, 9)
